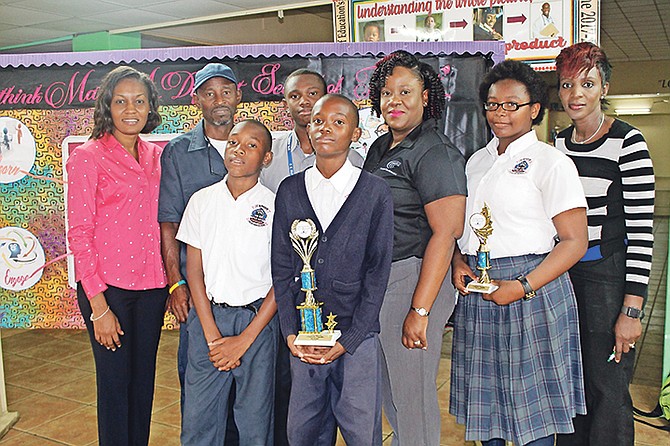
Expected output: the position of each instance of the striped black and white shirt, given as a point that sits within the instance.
(618, 179)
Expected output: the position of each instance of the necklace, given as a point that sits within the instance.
(574, 130)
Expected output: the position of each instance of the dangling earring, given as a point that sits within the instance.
(602, 97)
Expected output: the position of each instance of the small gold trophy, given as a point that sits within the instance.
(304, 238)
(482, 225)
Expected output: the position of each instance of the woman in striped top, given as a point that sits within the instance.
(611, 280)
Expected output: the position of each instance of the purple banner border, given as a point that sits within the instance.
(495, 49)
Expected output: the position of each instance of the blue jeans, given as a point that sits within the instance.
(206, 405)
(600, 286)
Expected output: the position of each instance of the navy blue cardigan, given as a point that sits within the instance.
(352, 262)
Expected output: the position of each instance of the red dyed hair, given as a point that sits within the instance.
(581, 57)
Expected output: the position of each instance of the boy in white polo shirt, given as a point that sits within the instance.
(232, 330)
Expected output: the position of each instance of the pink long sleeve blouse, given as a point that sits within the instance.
(113, 230)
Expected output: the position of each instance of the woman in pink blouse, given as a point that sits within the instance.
(113, 232)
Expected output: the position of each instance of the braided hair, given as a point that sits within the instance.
(424, 72)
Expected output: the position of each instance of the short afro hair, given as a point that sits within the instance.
(345, 100)
(307, 72)
(537, 88)
(267, 136)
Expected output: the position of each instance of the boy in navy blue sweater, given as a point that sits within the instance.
(353, 212)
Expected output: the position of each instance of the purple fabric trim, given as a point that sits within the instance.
(495, 49)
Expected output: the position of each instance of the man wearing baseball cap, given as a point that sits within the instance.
(189, 163)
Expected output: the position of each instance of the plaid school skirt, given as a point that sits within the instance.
(516, 370)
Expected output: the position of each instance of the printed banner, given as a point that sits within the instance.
(533, 31)
(588, 19)
(75, 87)
(47, 111)
(341, 24)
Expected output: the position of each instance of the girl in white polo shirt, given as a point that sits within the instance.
(516, 363)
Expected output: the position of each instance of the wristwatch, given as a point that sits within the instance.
(527, 289)
(633, 312)
(421, 311)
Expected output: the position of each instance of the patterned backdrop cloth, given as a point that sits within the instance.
(46, 110)
(36, 202)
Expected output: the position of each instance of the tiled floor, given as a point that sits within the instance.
(51, 382)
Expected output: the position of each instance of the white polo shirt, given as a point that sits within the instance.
(327, 195)
(524, 188)
(234, 237)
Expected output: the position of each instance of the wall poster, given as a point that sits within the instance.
(534, 31)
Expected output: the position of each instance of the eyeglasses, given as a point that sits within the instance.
(507, 106)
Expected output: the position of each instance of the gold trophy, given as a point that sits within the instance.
(482, 226)
(304, 238)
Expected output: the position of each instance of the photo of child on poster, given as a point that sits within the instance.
(372, 31)
(429, 28)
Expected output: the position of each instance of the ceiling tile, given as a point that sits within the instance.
(256, 4)
(35, 34)
(188, 8)
(25, 17)
(5, 27)
(133, 3)
(78, 26)
(132, 17)
(75, 8)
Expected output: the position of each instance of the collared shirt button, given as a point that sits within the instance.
(320, 261)
(324, 239)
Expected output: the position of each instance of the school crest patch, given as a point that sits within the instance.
(259, 215)
(521, 166)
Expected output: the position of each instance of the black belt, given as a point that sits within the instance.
(253, 307)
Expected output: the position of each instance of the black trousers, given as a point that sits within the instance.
(125, 378)
(600, 286)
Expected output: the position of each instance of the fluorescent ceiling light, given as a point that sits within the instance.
(638, 96)
(632, 111)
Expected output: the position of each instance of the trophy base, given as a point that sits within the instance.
(323, 339)
(484, 288)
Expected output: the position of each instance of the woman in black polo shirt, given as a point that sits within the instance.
(426, 175)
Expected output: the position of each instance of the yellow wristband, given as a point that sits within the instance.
(176, 285)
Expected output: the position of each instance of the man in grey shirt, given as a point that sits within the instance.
(292, 152)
